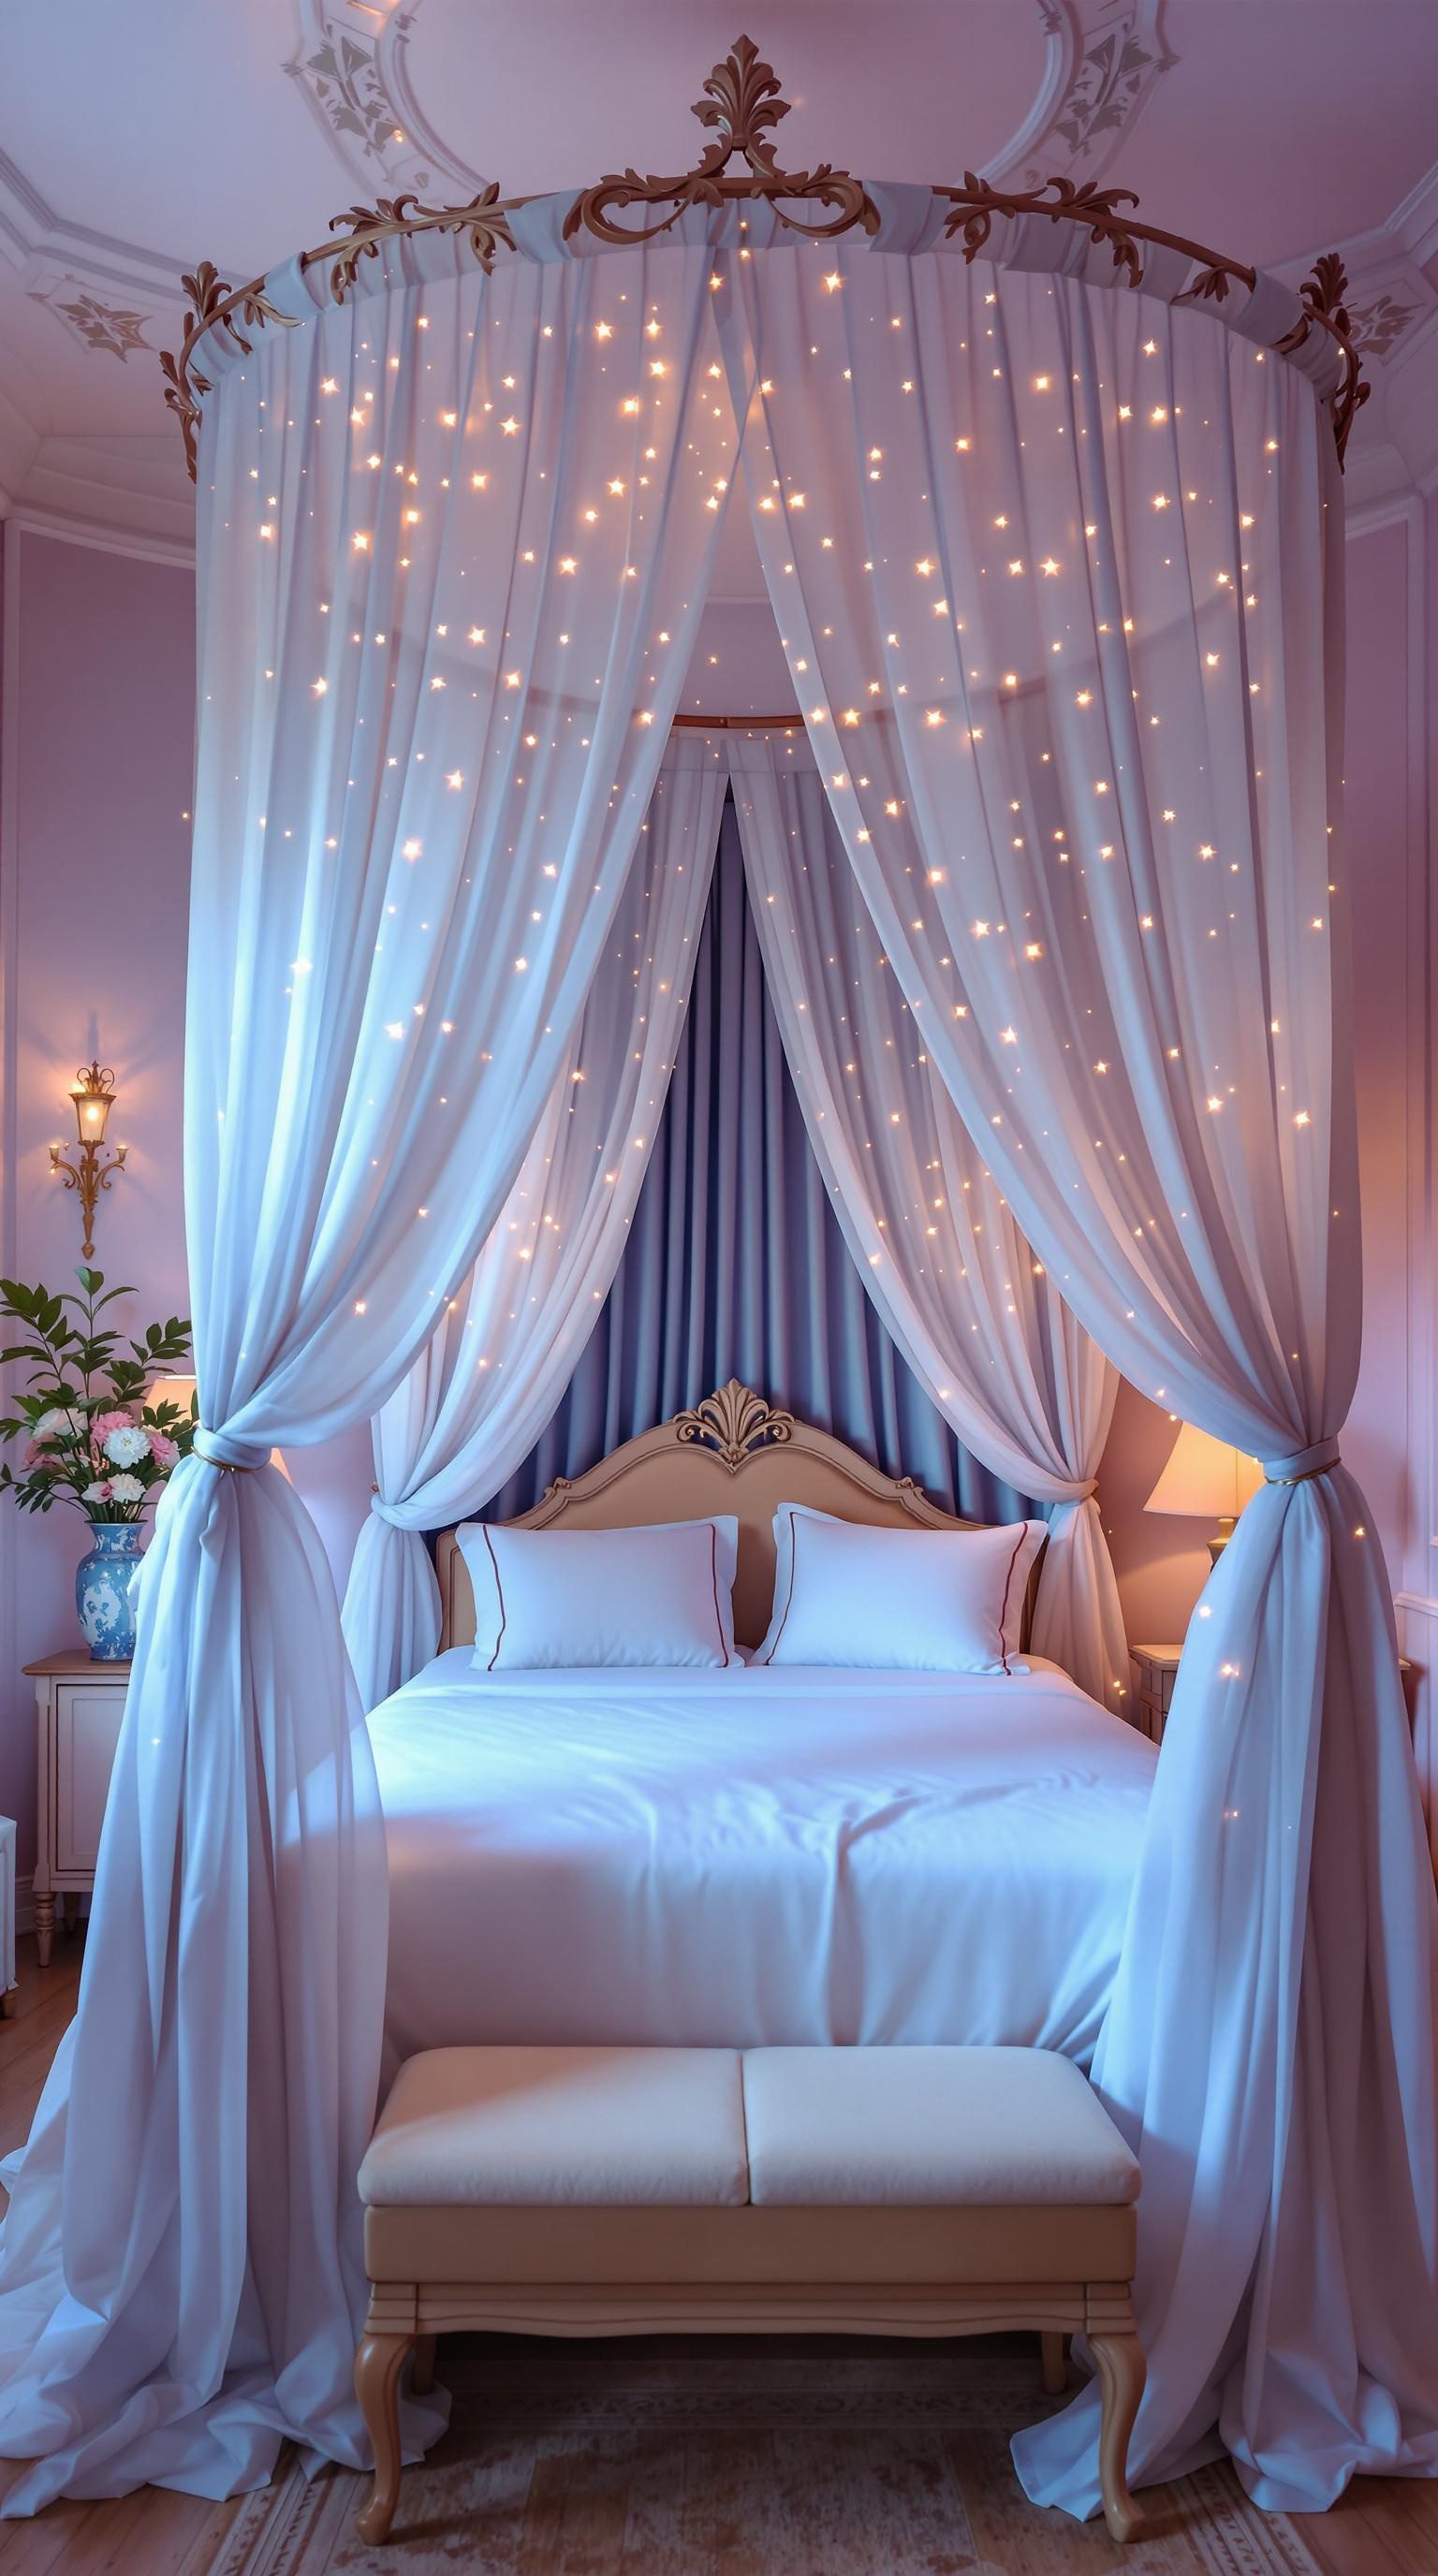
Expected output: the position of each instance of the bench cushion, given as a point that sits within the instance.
(928, 2127)
(521, 2126)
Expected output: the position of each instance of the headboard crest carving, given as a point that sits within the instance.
(733, 1420)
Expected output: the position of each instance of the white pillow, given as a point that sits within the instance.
(575, 1598)
(948, 1601)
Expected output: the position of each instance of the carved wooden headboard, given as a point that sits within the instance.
(732, 1453)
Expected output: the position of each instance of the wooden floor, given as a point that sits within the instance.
(677, 2459)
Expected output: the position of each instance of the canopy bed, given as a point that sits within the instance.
(1047, 502)
(800, 1857)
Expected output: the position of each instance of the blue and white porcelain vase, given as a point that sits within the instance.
(102, 1590)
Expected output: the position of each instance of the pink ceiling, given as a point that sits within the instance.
(1287, 123)
(887, 89)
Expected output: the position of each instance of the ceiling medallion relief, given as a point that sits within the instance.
(116, 329)
(352, 63)
(107, 294)
(1107, 57)
(1392, 300)
(1380, 324)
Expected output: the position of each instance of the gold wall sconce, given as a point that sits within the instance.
(93, 1096)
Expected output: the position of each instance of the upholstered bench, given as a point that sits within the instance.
(608, 2191)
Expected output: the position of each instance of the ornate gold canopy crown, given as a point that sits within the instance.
(741, 104)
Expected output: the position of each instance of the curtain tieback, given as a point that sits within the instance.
(387, 1512)
(1303, 1464)
(242, 1466)
(1084, 1493)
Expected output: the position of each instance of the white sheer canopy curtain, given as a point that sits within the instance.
(976, 1317)
(506, 1346)
(441, 528)
(1056, 566)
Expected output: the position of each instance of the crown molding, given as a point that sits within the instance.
(31, 229)
(127, 492)
(19, 443)
(105, 293)
(1394, 304)
(104, 540)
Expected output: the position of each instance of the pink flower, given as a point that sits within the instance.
(104, 1423)
(99, 1492)
(39, 1460)
(163, 1451)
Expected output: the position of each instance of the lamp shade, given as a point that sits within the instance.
(93, 1096)
(181, 1391)
(1205, 1479)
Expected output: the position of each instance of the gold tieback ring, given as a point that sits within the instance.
(1305, 1475)
(225, 1466)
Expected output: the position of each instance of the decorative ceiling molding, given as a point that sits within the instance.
(1393, 307)
(19, 440)
(118, 329)
(352, 65)
(1105, 60)
(109, 295)
(32, 230)
(103, 536)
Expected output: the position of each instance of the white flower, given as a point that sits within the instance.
(58, 1424)
(127, 1448)
(97, 1493)
(126, 1489)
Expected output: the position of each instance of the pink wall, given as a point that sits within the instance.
(1389, 1019)
(1162, 1562)
(95, 764)
(96, 749)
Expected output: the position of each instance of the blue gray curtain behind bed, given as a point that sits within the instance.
(735, 1265)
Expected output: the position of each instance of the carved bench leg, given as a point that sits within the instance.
(378, 2363)
(1121, 2376)
(1055, 2371)
(421, 2369)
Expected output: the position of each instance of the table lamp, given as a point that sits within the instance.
(1205, 1479)
(181, 1391)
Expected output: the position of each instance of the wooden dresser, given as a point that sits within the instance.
(80, 1705)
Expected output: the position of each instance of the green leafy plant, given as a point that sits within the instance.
(90, 1438)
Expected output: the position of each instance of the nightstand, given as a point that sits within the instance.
(1156, 1668)
(80, 1707)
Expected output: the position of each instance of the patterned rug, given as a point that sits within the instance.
(669, 2457)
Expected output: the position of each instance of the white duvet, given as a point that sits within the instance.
(751, 1858)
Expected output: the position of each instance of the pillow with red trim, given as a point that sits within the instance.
(575, 1599)
(933, 1601)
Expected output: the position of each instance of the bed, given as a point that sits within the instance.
(751, 1857)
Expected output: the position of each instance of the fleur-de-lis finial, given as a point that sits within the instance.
(741, 97)
(733, 1421)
